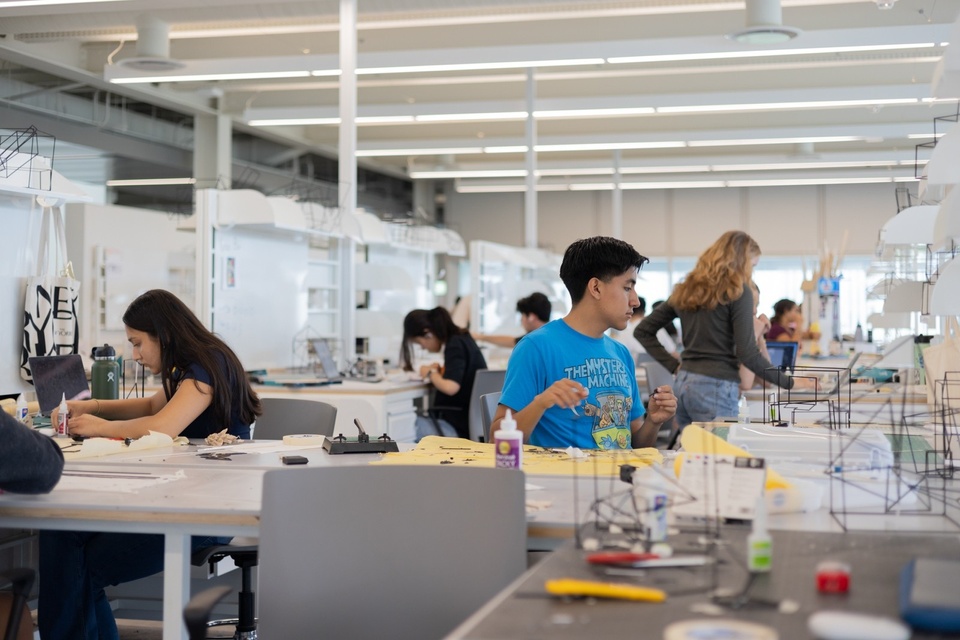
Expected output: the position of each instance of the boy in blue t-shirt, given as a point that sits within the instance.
(569, 384)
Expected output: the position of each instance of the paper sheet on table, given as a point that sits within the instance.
(97, 447)
(462, 452)
(113, 482)
(694, 439)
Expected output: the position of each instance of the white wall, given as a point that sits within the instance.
(683, 222)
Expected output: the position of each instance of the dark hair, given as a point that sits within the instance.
(598, 257)
(782, 308)
(641, 307)
(537, 304)
(418, 322)
(184, 341)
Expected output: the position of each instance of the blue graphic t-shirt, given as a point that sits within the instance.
(602, 365)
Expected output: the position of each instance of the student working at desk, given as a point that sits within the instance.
(204, 390)
(569, 384)
(715, 307)
(434, 331)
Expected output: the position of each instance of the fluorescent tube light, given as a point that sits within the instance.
(289, 122)
(45, 3)
(761, 53)
(438, 151)
(520, 148)
(150, 182)
(598, 113)
(205, 77)
(608, 146)
(764, 106)
(465, 117)
(758, 141)
(486, 173)
(479, 66)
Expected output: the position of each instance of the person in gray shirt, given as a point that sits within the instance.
(30, 462)
(715, 306)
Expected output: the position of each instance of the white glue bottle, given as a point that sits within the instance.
(508, 444)
(22, 410)
(62, 430)
(759, 543)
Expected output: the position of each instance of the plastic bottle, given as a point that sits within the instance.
(22, 410)
(743, 411)
(63, 431)
(653, 490)
(759, 543)
(508, 443)
(105, 374)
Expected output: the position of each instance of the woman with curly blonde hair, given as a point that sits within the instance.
(715, 306)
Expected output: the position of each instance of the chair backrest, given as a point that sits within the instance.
(385, 552)
(287, 416)
(487, 381)
(657, 375)
(488, 409)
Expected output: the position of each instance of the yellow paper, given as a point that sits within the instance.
(536, 460)
(697, 440)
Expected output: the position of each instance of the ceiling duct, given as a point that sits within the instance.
(153, 47)
(764, 24)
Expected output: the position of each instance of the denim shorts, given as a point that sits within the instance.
(701, 398)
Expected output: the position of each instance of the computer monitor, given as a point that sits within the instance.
(57, 376)
(783, 354)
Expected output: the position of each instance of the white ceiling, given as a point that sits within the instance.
(734, 120)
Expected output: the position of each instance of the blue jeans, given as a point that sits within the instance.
(701, 398)
(76, 566)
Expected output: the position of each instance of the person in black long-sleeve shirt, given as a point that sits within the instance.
(30, 462)
(435, 331)
(715, 306)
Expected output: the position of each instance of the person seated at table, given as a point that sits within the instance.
(534, 312)
(30, 462)
(569, 384)
(204, 390)
(434, 331)
(786, 325)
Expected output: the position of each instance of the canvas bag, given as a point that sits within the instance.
(940, 362)
(50, 313)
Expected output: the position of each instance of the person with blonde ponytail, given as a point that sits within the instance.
(715, 306)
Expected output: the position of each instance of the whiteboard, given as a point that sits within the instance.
(259, 294)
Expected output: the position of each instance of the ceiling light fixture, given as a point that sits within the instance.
(153, 47)
(763, 53)
(46, 3)
(480, 66)
(764, 24)
(150, 182)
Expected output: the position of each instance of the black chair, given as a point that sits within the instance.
(487, 381)
(19, 626)
(197, 611)
(281, 416)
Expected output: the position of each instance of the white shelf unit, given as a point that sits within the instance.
(323, 285)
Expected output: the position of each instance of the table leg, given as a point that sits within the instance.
(176, 584)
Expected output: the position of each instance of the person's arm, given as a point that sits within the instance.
(646, 333)
(113, 409)
(190, 399)
(30, 462)
(661, 406)
(433, 373)
(562, 393)
(761, 324)
(499, 340)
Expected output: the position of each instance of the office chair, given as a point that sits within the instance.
(487, 381)
(197, 611)
(281, 416)
(488, 409)
(386, 552)
(13, 604)
(658, 375)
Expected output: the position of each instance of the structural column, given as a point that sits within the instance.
(347, 167)
(530, 199)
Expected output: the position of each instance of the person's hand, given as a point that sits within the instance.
(563, 393)
(427, 369)
(87, 425)
(662, 404)
(75, 408)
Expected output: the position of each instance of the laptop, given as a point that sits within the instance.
(57, 376)
(322, 350)
(328, 373)
(783, 355)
